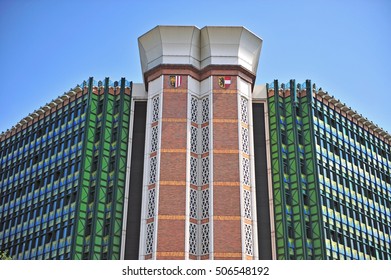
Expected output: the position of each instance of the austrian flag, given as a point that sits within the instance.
(224, 82)
(175, 81)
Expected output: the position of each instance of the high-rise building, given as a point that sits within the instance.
(63, 174)
(197, 162)
(330, 171)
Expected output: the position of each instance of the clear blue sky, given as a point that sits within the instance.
(47, 46)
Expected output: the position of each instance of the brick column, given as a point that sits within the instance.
(172, 182)
(197, 191)
(226, 176)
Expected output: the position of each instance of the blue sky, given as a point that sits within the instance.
(47, 47)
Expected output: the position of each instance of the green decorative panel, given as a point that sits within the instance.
(311, 179)
(295, 186)
(277, 177)
(99, 221)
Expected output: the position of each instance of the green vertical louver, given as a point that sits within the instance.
(313, 205)
(296, 203)
(277, 174)
(99, 220)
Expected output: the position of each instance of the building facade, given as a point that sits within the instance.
(63, 174)
(195, 163)
(331, 177)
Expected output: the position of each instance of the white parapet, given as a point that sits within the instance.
(189, 45)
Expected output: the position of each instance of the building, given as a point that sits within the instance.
(331, 177)
(197, 162)
(63, 176)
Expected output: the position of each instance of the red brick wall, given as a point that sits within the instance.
(227, 239)
(226, 178)
(172, 190)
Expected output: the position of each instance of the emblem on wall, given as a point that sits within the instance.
(175, 81)
(224, 82)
